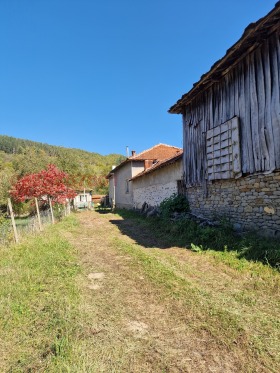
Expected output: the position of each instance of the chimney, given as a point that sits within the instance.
(133, 152)
(148, 163)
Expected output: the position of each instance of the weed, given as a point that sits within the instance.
(174, 203)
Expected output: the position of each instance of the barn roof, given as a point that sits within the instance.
(252, 37)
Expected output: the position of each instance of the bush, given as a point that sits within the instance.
(174, 203)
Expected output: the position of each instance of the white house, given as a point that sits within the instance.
(121, 189)
(160, 181)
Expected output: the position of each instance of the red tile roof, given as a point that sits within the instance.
(160, 164)
(158, 152)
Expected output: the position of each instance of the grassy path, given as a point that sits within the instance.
(171, 310)
(104, 294)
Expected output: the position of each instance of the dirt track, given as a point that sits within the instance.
(132, 324)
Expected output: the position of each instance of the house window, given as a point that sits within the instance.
(127, 186)
(223, 151)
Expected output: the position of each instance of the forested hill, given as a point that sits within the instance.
(19, 157)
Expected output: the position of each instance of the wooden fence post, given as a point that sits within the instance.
(50, 203)
(38, 214)
(68, 208)
(13, 219)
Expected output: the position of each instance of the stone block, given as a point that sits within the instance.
(269, 210)
(248, 208)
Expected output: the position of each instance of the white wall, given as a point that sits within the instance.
(154, 187)
(111, 189)
(124, 197)
(82, 200)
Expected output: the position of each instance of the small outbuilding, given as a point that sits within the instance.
(83, 200)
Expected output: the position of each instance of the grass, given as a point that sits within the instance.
(188, 234)
(235, 316)
(22, 221)
(39, 302)
(157, 308)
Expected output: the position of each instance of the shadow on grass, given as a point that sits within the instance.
(140, 232)
(156, 232)
(103, 210)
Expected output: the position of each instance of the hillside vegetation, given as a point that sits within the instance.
(19, 157)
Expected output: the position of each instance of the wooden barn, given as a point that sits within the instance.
(231, 126)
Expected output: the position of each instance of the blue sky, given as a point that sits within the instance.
(101, 75)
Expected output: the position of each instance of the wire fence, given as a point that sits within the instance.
(6, 233)
(29, 225)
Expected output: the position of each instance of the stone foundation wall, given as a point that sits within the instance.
(154, 187)
(154, 194)
(251, 202)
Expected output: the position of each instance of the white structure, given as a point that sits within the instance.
(83, 200)
(121, 185)
(158, 182)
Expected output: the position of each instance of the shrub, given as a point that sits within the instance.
(174, 203)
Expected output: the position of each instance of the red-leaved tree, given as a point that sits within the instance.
(49, 183)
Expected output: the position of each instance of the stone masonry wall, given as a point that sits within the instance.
(154, 194)
(154, 187)
(250, 203)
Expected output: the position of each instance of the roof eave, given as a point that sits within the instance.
(231, 58)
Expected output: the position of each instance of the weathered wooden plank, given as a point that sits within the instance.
(265, 159)
(241, 106)
(275, 97)
(224, 127)
(217, 131)
(216, 105)
(209, 135)
(254, 120)
(226, 151)
(236, 78)
(217, 146)
(235, 137)
(247, 117)
(231, 94)
(211, 109)
(225, 135)
(269, 136)
(224, 144)
(226, 175)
